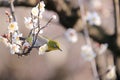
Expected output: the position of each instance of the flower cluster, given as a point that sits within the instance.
(36, 14)
(42, 49)
(102, 48)
(93, 18)
(38, 10)
(13, 38)
(87, 53)
(23, 45)
(71, 35)
(111, 72)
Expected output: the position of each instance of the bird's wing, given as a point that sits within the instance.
(41, 41)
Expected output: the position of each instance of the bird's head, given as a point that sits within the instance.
(53, 45)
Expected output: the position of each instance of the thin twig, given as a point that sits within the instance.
(38, 15)
(46, 24)
(117, 32)
(87, 38)
(12, 10)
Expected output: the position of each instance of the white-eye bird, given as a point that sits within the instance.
(46, 45)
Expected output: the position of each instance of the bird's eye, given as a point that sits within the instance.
(55, 46)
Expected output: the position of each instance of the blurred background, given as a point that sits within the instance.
(100, 18)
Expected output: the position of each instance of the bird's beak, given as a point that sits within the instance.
(60, 49)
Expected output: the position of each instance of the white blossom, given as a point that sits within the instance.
(42, 49)
(36, 31)
(41, 31)
(103, 48)
(112, 73)
(71, 35)
(26, 45)
(14, 49)
(87, 53)
(54, 17)
(5, 41)
(93, 18)
(35, 11)
(40, 7)
(12, 27)
(28, 23)
(16, 38)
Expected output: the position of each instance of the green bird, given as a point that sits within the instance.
(47, 45)
(53, 45)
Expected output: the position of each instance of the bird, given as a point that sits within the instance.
(46, 44)
(53, 45)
